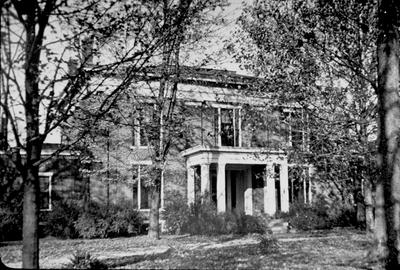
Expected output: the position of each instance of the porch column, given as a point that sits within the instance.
(284, 182)
(221, 183)
(205, 179)
(190, 185)
(269, 191)
(248, 193)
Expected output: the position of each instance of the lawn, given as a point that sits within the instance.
(337, 249)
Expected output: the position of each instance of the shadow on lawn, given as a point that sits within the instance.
(128, 260)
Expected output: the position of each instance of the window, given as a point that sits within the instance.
(142, 119)
(296, 136)
(140, 189)
(227, 126)
(299, 184)
(45, 190)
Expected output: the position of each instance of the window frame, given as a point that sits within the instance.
(139, 166)
(137, 127)
(50, 178)
(304, 124)
(236, 112)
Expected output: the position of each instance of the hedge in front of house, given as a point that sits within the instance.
(10, 222)
(68, 220)
(202, 218)
(319, 215)
(112, 221)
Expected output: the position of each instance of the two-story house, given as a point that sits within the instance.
(236, 147)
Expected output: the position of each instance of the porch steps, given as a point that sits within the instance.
(278, 226)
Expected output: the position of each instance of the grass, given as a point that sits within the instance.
(340, 249)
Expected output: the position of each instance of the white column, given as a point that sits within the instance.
(221, 183)
(269, 191)
(248, 193)
(190, 185)
(205, 179)
(284, 184)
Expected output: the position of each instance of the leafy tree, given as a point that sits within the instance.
(320, 55)
(43, 85)
(388, 186)
(324, 53)
(163, 129)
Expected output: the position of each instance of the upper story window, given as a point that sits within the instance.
(227, 126)
(45, 190)
(141, 125)
(297, 128)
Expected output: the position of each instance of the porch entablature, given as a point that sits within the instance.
(232, 155)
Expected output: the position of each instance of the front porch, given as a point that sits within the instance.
(238, 179)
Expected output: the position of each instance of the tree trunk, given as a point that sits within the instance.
(154, 224)
(30, 227)
(389, 129)
(86, 193)
(369, 207)
(34, 142)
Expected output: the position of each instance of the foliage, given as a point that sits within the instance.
(320, 215)
(176, 213)
(306, 217)
(202, 218)
(324, 52)
(84, 260)
(59, 222)
(251, 224)
(10, 202)
(10, 222)
(268, 244)
(114, 221)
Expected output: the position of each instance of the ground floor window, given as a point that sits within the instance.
(299, 185)
(141, 187)
(45, 190)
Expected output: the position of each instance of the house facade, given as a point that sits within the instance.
(234, 146)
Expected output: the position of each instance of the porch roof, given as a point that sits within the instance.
(232, 155)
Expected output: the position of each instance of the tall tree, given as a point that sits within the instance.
(388, 186)
(321, 54)
(47, 85)
(189, 23)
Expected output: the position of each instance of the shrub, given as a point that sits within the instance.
(320, 215)
(305, 217)
(10, 223)
(346, 217)
(84, 260)
(114, 221)
(60, 221)
(205, 220)
(202, 218)
(89, 227)
(251, 224)
(176, 214)
(268, 244)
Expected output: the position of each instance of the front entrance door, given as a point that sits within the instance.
(235, 191)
